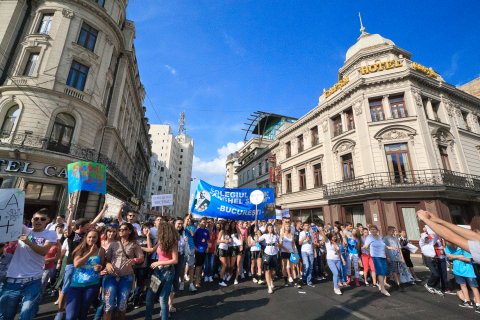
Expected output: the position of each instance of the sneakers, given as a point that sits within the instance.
(187, 278)
(235, 282)
(418, 280)
(205, 279)
(181, 287)
(242, 276)
(229, 277)
(467, 304)
(222, 284)
(367, 284)
(450, 292)
(440, 293)
(429, 289)
(337, 291)
(311, 285)
(210, 279)
(255, 280)
(290, 280)
(385, 292)
(477, 308)
(261, 281)
(192, 288)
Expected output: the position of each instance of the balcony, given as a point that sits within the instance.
(26, 141)
(411, 181)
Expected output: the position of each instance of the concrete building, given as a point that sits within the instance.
(390, 137)
(472, 87)
(175, 153)
(70, 90)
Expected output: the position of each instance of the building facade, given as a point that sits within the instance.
(70, 90)
(389, 138)
(175, 154)
(472, 87)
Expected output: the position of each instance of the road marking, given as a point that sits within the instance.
(354, 313)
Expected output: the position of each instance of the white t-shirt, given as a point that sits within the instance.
(65, 247)
(236, 241)
(271, 242)
(224, 245)
(307, 246)
(254, 247)
(287, 244)
(332, 254)
(25, 262)
(377, 246)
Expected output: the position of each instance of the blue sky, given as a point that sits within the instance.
(221, 60)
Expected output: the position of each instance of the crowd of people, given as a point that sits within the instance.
(113, 265)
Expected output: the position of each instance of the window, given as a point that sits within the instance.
(181, 150)
(347, 166)
(350, 119)
(288, 182)
(45, 24)
(266, 165)
(259, 169)
(9, 121)
(317, 175)
(179, 175)
(181, 156)
(159, 188)
(77, 76)
(376, 110)
(302, 179)
(435, 109)
(300, 143)
(314, 135)
(337, 125)
(288, 149)
(444, 157)
(397, 104)
(31, 64)
(465, 117)
(162, 169)
(62, 133)
(180, 162)
(41, 191)
(101, 3)
(87, 37)
(398, 163)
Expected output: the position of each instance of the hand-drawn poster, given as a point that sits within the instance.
(114, 205)
(87, 176)
(12, 202)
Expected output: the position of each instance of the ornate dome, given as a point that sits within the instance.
(367, 40)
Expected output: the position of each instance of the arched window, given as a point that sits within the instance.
(9, 121)
(62, 133)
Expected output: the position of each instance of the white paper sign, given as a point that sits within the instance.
(114, 205)
(160, 200)
(12, 202)
(282, 213)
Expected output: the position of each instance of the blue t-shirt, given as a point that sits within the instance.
(188, 232)
(352, 246)
(461, 268)
(201, 239)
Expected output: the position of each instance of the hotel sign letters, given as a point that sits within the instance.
(380, 66)
(337, 86)
(12, 166)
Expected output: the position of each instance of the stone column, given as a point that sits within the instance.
(386, 107)
(429, 109)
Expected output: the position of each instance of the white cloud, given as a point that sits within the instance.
(213, 171)
(171, 69)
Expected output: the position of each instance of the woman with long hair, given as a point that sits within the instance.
(270, 255)
(378, 253)
(88, 260)
(224, 240)
(334, 260)
(367, 261)
(237, 250)
(341, 245)
(287, 247)
(353, 248)
(255, 254)
(110, 235)
(163, 269)
(121, 256)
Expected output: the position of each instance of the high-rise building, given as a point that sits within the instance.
(175, 155)
(70, 90)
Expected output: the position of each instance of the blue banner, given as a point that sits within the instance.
(231, 204)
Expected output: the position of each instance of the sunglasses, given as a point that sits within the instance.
(38, 218)
(123, 229)
(130, 215)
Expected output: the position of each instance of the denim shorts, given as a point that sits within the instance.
(472, 282)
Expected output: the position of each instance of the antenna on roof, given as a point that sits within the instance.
(362, 28)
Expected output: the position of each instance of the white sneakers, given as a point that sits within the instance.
(261, 281)
(223, 284)
(255, 280)
(206, 279)
(182, 286)
(229, 277)
(187, 278)
(235, 282)
(290, 280)
(337, 291)
(385, 292)
(192, 288)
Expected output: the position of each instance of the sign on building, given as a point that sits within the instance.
(12, 202)
(161, 200)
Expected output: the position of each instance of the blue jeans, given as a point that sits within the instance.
(116, 291)
(307, 267)
(335, 266)
(209, 267)
(28, 294)
(166, 277)
(79, 300)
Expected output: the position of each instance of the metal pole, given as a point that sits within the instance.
(162, 210)
(256, 216)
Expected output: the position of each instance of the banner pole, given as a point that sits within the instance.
(162, 210)
(256, 216)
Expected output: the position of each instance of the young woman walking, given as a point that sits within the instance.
(163, 269)
(224, 240)
(88, 260)
(367, 261)
(256, 255)
(270, 255)
(237, 250)
(287, 247)
(378, 253)
(334, 260)
(353, 247)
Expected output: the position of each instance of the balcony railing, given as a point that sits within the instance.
(30, 141)
(414, 180)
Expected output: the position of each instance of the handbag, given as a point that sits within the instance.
(155, 283)
(294, 258)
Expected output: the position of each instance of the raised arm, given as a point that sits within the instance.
(100, 215)
(69, 218)
(119, 214)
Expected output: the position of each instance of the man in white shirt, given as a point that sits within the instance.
(306, 240)
(24, 274)
(131, 218)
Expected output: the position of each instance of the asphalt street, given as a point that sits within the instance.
(251, 301)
